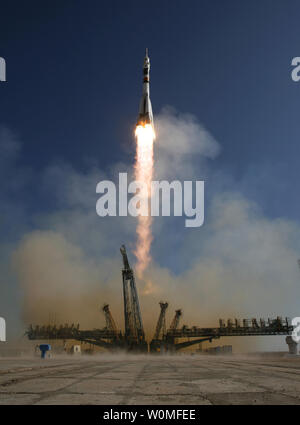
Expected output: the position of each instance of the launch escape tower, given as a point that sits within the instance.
(134, 331)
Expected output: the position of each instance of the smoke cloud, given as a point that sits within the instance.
(65, 263)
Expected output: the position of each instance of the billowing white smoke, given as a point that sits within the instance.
(59, 281)
(239, 264)
(182, 145)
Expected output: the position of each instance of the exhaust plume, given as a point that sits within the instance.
(143, 173)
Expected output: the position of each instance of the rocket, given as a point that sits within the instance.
(145, 110)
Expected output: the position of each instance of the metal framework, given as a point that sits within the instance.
(163, 340)
(161, 323)
(160, 331)
(106, 338)
(134, 331)
(176, 319)
(250, 327)
(110, 323)
(196, 335)
(111, 339)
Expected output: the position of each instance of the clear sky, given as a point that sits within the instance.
(69, 107)
(74, 79)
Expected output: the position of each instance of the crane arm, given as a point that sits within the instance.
(161, 319)
(175, 321)
(125, 258)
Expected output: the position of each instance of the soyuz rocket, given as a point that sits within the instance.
(145, 110)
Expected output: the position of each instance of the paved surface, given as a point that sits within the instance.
(150, 380)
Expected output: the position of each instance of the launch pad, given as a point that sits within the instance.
(164, 340)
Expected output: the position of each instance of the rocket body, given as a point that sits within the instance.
(145, 111)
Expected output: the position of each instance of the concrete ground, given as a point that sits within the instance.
(145, 379)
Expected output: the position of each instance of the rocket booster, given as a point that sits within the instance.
(145, 110)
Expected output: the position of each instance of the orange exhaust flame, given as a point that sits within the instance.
(143, 173)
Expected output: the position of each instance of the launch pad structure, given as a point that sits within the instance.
(164, 340)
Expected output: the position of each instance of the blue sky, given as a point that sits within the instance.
(69, 106)
(74, 77)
